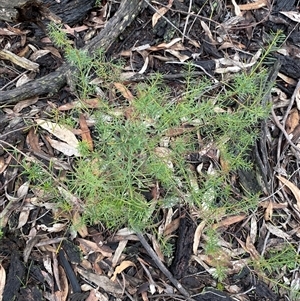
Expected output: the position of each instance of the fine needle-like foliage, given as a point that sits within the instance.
(155, 143)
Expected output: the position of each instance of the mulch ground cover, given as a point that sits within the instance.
(43, 258)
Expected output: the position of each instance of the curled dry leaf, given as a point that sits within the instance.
(157, 248)
(251, 249)
(93, 103)
(121, 246)
(38, 54)
(160, 12)
(71, 198)
(24, 214)
(120, 268)
(294, 189)
(207, 31)
(171, 227)
(125, 232)
(23, 190)
(85, 134)
(32, 140)
(79, 225)
(145, 65)
(197, 236)
(265, 204)
(269, 212)
(3, 164)
(29, 245)
(237, 10)
(177, 54)
(292, 120)
(253, 229)
(254, 5)
(174, 44)
(54, 51)
(23, 80)
(124, 91)
(297, 95)
(55, 227)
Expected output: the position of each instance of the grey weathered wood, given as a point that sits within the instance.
(7, 9)
(70, 12)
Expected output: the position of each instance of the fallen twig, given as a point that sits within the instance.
(161, 266)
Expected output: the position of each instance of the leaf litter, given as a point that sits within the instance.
(118, 264)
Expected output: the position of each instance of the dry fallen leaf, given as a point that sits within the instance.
(120, 268)
(254, 5)
(23, 80)
(269, 212)
(55, 227)
(253, 229)
(160, 12)
(277, 232)
(197, 236)
(24, 104)
(165, 155)
(23, 190)
(2, 280)
(157, 248)
(171, 227)
(85, 132)
(294, 16)
(230, 220)
(167, 45)
(63, 147)
(177, 54)
(292, 120)
(237, 10)
(89, 247)
(79, 225)
(124, 91)
(38, 54)
(59, 131)
(24, 214)
(294, 189)
(121, 246)
(102, 281)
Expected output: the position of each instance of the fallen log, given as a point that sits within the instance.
(69, 12)
(54, 81)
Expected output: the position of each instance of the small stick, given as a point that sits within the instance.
(161, 266)
(290, 142)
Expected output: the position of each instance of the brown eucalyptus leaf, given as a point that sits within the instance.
(294, 189)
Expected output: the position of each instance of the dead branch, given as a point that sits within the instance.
(54, 81)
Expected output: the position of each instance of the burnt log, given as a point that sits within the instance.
(54, 81)
(67, 11)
